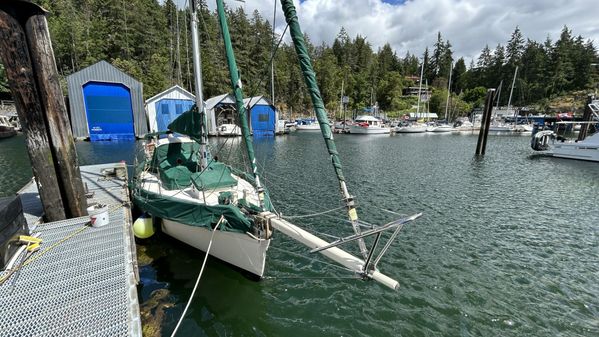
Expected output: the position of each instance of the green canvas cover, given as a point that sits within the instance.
(192, 214)
(175, 154)
(174, 178)
(217, 175)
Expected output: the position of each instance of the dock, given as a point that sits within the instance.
(83, 279)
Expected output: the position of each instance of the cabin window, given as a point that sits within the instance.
(263, 117)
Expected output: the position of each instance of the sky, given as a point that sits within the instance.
(412, 25)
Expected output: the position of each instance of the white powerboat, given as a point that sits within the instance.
(368, 125)
(553, 145)
(6, 128)
(307, 125)
(229, 130)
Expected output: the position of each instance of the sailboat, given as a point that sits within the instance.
(191, 191)
(206, 203)
(414, 127)
(444, 127)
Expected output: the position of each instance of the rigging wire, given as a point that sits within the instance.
(313, 259)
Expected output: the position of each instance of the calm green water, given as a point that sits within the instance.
(508, 244)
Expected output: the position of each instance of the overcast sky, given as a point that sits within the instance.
(413, 25)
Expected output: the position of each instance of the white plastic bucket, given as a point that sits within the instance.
(98, 215)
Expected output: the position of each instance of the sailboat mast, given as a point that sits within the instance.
(448, 91)
(197, 68)
(419, 90)
(236, 85)
(310, 79)
(342, 112)
(509, 101)
(272, 56)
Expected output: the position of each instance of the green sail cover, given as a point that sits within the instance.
(311, 83)
(188, 123)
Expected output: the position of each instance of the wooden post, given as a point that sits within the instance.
(485, 123)
(586, 117)
(17, 63)
(52, 100)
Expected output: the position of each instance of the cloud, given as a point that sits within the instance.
(412, 25)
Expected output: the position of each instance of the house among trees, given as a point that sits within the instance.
(106, 104)
(163, 108)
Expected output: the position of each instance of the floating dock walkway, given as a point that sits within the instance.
(82, 281)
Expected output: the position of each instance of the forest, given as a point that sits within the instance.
(151, 41)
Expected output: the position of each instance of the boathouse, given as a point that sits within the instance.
(220, 110)
(262, 116)
(106, 104)
(163, 108)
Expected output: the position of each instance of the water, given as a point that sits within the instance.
(507, 245)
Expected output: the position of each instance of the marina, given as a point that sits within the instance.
(518, 270)
(160, 193)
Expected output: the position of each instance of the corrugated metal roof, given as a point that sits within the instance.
(224, 98)
(256, 100)
(103, 72)
(168, 91)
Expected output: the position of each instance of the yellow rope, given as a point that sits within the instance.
(56, 244)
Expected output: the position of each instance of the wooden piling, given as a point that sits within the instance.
(52, 100)
(586, 117)
(485, 123)
(19, 71)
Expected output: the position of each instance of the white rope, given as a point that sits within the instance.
(195, 287)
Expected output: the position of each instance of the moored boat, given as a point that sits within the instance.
(368, 125)
(411, 128)
(229, 130)
(555, 145)
(6, 128)
(307, 125)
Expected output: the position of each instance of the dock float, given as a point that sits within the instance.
(83, 280)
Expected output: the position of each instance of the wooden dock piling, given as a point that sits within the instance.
(27, 54)
(481, 145)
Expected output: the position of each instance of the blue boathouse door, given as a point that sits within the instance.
(109, 111)
(169, 109)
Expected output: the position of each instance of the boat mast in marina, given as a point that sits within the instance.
(509, 101)
(419, 90)
(197, 68)
(448, 91)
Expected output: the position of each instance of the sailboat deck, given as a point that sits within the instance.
(82, 282)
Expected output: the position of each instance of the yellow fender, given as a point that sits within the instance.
(143, 227)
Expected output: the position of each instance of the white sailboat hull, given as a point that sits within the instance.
(310, 127)
(440, 129)
(238, 249)
(368, 130)
(501, 128)
(410, 129)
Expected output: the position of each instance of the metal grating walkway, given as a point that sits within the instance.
(85, 284)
